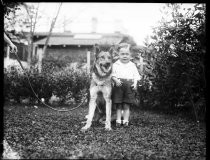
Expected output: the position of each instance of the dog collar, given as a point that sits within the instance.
(99, 85)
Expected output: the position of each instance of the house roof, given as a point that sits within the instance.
(81, 39)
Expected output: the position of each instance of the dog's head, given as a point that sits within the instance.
(103, 60)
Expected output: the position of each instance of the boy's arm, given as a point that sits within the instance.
(114, 77)
(116, 80)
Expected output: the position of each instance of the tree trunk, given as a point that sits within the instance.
(31, 35)
(50, 32)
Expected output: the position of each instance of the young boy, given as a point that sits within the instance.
(125, 76)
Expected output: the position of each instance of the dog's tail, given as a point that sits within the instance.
(100, 94)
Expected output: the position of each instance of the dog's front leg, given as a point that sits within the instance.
(108, 114)
(92, 107)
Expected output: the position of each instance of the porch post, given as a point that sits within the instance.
(88, 62)
(40, 56)
(33, 52)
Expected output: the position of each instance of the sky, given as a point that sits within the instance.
(134, 19)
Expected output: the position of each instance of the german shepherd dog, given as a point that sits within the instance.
(101, 86)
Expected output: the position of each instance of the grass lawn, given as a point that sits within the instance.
(44, 133)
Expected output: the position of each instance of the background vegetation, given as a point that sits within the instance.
(173, 81)
(173, 76)
(175, 61)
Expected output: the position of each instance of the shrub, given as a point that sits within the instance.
(176, 61)
(70, 82)
(51, 64)
(64, 84)
(11, 84)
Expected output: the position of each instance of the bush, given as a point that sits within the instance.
(65, 84)
(11, 84)
(51, 64)
(176, 62)
(70, 82)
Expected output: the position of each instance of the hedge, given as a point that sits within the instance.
(66, 84)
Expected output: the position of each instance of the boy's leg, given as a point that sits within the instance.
(119, 113)
(126, 113)
(117, 97)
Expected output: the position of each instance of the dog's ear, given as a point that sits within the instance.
(112, 50)
(117, 47)
(96, 50)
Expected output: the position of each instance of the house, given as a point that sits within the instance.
(73, 47)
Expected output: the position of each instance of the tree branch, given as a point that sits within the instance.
(50, 32)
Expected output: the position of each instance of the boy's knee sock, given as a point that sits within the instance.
(126, 115)
(119, 115)
(118, 121)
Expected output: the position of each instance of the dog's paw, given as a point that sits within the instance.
(85, 128)
(83, 122)
(108, 127)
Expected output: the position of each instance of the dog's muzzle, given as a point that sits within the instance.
(106, 65)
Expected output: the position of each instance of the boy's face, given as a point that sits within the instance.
(125, 57)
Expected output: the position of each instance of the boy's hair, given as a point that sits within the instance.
(124, 47)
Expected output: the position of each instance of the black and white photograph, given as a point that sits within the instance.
(102, 80)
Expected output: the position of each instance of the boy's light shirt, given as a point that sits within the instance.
(126, 71)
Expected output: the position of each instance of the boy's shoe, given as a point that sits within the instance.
(125, 124)
(118, 123)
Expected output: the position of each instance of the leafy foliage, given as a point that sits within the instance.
(175, 60)
(13, 18)
(45, 84)
(51, 64)
(11, 7)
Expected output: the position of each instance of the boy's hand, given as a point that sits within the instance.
(117, 81)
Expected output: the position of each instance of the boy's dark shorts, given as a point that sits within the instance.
(124, 93)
